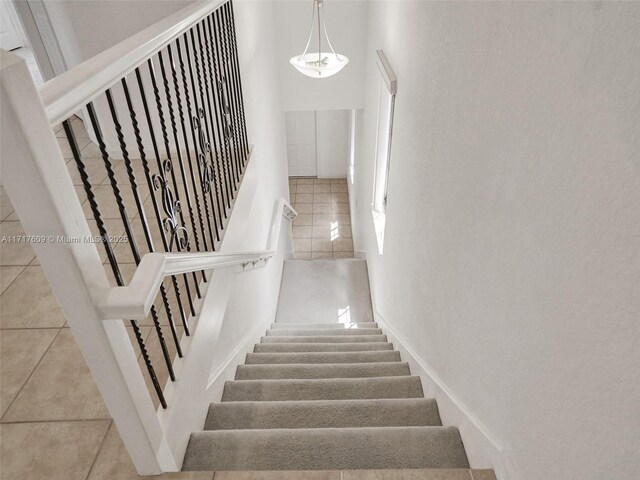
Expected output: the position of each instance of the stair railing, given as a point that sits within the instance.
(128, 218)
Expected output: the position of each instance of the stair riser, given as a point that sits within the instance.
(276, 372)
(325, 339)
(326, 449)
(323, 414)
(312, 333)
(322, 357)
(320, 347)
(334, 389)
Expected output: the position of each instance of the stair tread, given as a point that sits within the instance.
(326, 448)
(323, 357)
(333, 332)
(322, 347)
(323, 389)
(314, 326)
(323, 414)
(321, 370)
(324, 339)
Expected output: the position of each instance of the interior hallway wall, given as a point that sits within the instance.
(511, 263)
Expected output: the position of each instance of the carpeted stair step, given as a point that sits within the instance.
(321, 347)
(325, 339)
(307, 332)
(322, 389)
(322, 326)
(323, 357)
(331, 370)
(402, 412)
(326, 449)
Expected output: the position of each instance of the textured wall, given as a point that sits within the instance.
(512, 252)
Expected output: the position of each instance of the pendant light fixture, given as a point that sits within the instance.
(319, 64)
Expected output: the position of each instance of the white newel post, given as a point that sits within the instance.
(36, 179)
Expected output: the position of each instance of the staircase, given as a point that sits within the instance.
(324, 390)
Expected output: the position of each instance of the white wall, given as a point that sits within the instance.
(512, 253)
(332, 143)
(347, 28)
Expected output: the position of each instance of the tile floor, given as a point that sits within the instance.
(322, 228)
(53, 422)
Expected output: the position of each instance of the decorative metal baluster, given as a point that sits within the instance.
(174, 76)
(223, 156)
(152, 188)
(174, 220)
(199, 154)
(231, 90)
(203, 129)
(105, 239)
(174, 129)
(143, 217)
(212, 113)
(236, 60)
(220, 80)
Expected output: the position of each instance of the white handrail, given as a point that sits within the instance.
(62, 95)
(135, 300)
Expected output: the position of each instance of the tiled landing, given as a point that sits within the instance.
(322, 229)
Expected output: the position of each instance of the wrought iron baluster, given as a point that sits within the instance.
(143, 219)
(152, 189)
(236, 59)
(202, 123)
(220, 91)
(204, 46)
(174, 220)
(199, 153)
(105, 241)
(174, 129)
(231, 89)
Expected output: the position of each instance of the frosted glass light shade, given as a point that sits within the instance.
(319, 66)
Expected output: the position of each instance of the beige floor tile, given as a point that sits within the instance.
(65, 148)
(340, 197)
(108, 206)
(322, 208)
(292, 198)
(321, 198)
(91, 151)
(321, 245)
(50, 450)
(340, 208)
(8, 275)
(348, 254)
(342, 218)
(322, 219)
(6, 208)
(322, 181)
(14, 251)
(302, 231)
(484, 474)
(339, 187)
(304, 189)
(20, 352)
(60, 388)
(288, 475)
(339, 181)
(344, 231)
(321, 231)
(302, 208)
(302, 244)
(293, 188)
(342, 245)
(302, 255)
(319, 255)
(322, 188)
(303, 219)
(304, 197)
(95, 170)
(30, 303)
(305, 181)
(113, 463)
(426, 474)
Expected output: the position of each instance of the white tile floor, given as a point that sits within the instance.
(322, 228)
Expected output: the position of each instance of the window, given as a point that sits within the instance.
(386, 103)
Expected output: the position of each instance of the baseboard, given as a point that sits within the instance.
(360, 254)
(483, 448)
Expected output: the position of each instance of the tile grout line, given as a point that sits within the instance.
(104, 439)
(29, 377)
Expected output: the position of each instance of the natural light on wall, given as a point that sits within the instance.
(386, 104)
